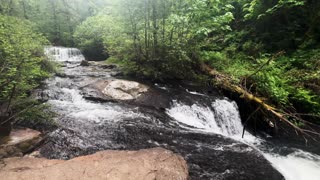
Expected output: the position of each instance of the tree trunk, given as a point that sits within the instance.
(5, 126)
(155, 27)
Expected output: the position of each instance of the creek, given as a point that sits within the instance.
(205, 129)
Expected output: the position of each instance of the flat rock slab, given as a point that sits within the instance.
(150, 164)
(19, 142)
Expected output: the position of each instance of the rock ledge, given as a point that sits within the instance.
(150, 164)
(19, 142)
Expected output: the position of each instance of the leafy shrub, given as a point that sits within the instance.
(22, 63)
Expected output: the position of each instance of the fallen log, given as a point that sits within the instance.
(226, 83)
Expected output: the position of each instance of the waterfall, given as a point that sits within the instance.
(223, 117)
(64, 54)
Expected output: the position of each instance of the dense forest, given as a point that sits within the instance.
(268, 51)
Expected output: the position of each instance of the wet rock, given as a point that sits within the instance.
(108, 66)
(117, 89)
(117, 74)
(209, 157)
(93, 94)
(84, 63)
(123, 89)
(19, 142)
(129, 91)
(150, 164)
(60, 74)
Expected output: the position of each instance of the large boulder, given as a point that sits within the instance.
(19, 142)
(123, 89)
(129, 91)
(115, 89)
(150, 164)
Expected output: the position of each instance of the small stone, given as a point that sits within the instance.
(3, 153)
(108, 66)
(11, 150)
(35, 154)
(84, 63)
(24, 146)
(62, 75)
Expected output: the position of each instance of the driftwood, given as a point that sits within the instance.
(226, 83)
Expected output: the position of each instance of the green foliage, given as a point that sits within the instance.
(56, 19)
(22, 63)
(271, 83)
(257, 9)
(168, 39)
(100, 36)
(33, 113)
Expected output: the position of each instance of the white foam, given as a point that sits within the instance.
(224, 118)
(299, 165)
(84, 110)
(64, 54)
(196, 116)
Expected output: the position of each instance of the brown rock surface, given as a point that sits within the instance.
(19, 142)
(157, 163)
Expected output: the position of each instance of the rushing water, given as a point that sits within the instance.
(195, 125)
(299, 165)
(64, 54)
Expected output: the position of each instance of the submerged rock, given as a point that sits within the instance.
(19, 142)
(84, 63)
(108, 66)
(149, 164)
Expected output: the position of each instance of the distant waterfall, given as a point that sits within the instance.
(64, 54)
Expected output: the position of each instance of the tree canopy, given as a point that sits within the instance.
(270, 48)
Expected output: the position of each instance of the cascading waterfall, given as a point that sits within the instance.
(64, 54)
(223, 118)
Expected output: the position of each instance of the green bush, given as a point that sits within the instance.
(21, 53)
(22, 62)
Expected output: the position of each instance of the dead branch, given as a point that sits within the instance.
(226, 83)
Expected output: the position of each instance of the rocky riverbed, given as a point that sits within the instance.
(98, 110)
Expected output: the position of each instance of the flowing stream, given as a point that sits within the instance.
(205, 130)
(225, 120)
